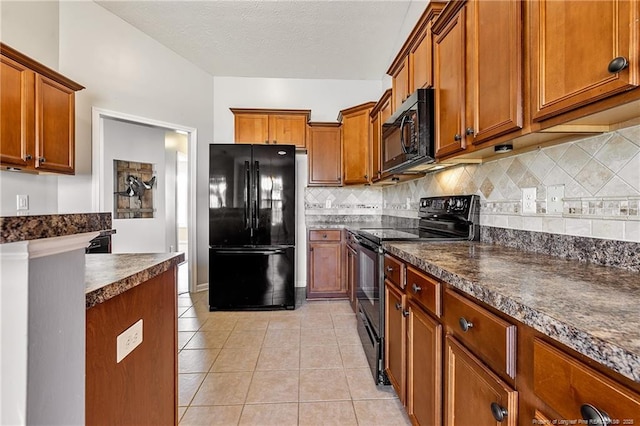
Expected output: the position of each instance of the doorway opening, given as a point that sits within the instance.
(179, 189)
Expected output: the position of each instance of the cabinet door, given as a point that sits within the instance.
(473, 392)
(251, 128)
(449, 52)
(288, 130)
(495, 69)
(55, 126)
(424, 367)
(377, 120)
(355, 147)
(573, 43)
(421, 61)
(395, 339)
(325, 279)
(17, 118)
(325, 155)
(400, 85)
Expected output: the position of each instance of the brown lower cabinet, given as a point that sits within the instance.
(142, 388)
(325, 264)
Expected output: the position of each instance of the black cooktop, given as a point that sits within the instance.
(378, 235)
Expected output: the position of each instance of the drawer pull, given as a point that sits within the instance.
(499, 413)
(618, 64)
(465, 325)
(398, 306)
(416, 288)
(324, 236)
(389, 268)
(405, 313)
(594, 416)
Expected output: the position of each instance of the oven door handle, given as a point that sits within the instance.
(365, 322)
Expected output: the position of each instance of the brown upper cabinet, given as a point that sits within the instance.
(38, 116)
(356, 125)
(271, 126)
(478, 63)
(412, 68)
(581, 52)
(324, 145)
(379, 114)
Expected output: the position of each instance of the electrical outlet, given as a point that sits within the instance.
(22, 202)
(128, 340)
(529, 200)
(555, 194)
(327, 203)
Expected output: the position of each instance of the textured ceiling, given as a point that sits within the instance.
(322, 39)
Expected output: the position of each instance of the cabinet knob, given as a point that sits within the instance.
(457, 137)
(42, 159)
(324, 235)
(469, 131)
(416, 288)
(594, 416)
(499, 412)
(618, 64)
(405, 313)
(389, 268)
(28, 157)
(310, 248)
(366, 176)
(398, 306)
(464, 324)
(266, 141)
(275, 142)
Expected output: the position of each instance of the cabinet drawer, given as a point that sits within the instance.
(325, 235)
(393, 269)
(425, 290)
(488, 336)
(565, 384)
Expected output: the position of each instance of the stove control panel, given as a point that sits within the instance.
(459, 205)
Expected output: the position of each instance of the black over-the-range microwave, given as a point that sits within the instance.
(408, 135)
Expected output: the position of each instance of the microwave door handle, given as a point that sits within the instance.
(402, 145)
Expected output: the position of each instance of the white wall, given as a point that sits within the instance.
(325, 99)
(133, 142)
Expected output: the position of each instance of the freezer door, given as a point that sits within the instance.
(274, 192)
(251, 278)
(229, 194)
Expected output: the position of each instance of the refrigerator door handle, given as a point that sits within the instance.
(247, 192)
(256, 200)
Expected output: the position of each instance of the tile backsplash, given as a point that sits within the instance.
(600, 176)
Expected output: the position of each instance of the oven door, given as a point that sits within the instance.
(368, 283)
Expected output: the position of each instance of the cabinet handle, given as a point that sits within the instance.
(42, 159)
(389, 268)
(28, 157)
(469, 131)
(310, 248)
(324, 235)
(457, 137)
(499, 413)
(465, 325)
(594, 416)
(366, 176)
(266, 141)
(398, 306)
(275, 142)
(416, 288)
(405, 313)
(618, 64)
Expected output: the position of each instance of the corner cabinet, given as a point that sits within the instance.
(356, 128)
(325, 264)
(324, 147)
(271, 126)
(581, 52)
(38, 116)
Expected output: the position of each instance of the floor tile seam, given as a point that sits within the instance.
(197, 390)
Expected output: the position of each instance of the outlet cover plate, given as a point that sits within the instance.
(555, 194)
(529, 200)
(128, 340)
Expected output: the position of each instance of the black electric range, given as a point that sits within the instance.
(447, 218)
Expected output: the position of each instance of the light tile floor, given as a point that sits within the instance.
(300, 367)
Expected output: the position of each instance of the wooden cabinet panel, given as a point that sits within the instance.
(421, 60)
(356, 125)
(471, 389)
(271, 126)
(324, 143)
(450, 82)
(424, 367)
(325, 265)
(379, 114)
(395, 336)
(288, 130)
(424, 290)
(251, 128)
(565, 384)
(495, 64)
(572, 44)
(400, 84)
(491, 338)
(17, 128)
(394, 271)
(55, 124)
(142, 388)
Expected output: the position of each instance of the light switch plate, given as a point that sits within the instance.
(555, 194)
(529, 200)
(128, 340)
(22, 202)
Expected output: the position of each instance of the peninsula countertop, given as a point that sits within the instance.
(33, 227)
(592, 309)
(108, 275)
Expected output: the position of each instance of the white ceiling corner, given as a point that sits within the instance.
(307, 39)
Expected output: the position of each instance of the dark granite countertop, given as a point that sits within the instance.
(23, 228)
(592, 309)
(108, 275)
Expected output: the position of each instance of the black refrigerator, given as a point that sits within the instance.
(252, 226)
